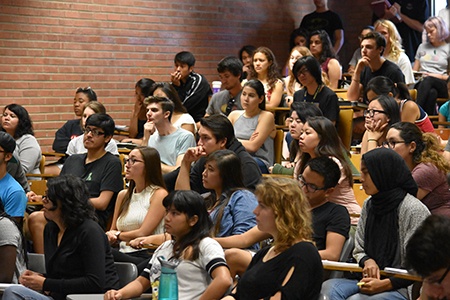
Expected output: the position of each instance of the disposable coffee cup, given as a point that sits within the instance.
(216, 86)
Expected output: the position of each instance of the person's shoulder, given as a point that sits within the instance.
(220, 95)
(183, 133)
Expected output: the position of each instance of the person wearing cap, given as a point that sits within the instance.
(12, 195)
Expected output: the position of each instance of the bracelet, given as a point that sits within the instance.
(372, 140)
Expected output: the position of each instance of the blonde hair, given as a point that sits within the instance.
(395, 39)
(291, 209)
(432, 153)
(304, 51)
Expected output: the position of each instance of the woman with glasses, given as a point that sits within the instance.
(410, 111)
(292, 85)
(17, 122)
(308, 73)
(389, 217)
(422, 154)
(320, 138)
(139, 210)
(78, 257)
(381, 112)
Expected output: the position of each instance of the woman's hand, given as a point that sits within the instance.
(112, 236)
(375, 129)
(112, 295)
(32, 197)
(145, 242)
(371, 269)
(32, 280)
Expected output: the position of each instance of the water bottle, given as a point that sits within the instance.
(168, 282)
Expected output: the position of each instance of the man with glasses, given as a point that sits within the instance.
(428, 253)
(99, 169)
(372, 64)
(229, 99)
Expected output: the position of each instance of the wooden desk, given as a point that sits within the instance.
(280, 114)
(388, 272)
(56, 154)
(355, 105)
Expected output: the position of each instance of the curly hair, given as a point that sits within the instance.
(273, 75)
(24, 126)
(72, 195)
(394, 38)
(290, 207)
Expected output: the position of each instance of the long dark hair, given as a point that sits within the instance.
(329, 145)
(171, 93)
(382, 85)
(259, 89)
(152, 175)
(273, 75)
(24, 126)
(390, 107)
(327, 47)
(192, 204)
(72, 194)
(312, 65)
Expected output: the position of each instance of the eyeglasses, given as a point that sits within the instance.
(230, 106)
(391, 144)
(303, 71)
(371, 112)
(85, 89)
(439, 281)
(310, 187)
(132, 160)
(95, 132)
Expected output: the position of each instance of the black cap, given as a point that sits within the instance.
(7, 142)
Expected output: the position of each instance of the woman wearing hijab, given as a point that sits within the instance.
(388, 219)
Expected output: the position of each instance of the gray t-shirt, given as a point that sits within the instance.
(219, 103)
(10, 236)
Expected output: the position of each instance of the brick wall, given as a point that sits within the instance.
(48, 48)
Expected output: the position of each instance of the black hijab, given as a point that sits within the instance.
(393, 180)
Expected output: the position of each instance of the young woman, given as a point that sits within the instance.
(139, 210)
(422, 154)
(12, 249)
(299, 37)
(139, 116)
(319, 138)
(265, 69)
(245, 55)
(394, 49)
(388, 219)
(202, 271)
(76, 145)
(291, 267)
(17, 122)
(291, 85)
(432, 60)
(254, 127)
(180, 117)
(382, 112)
(322, 49)
(409, 110)
(78, 257)
(300, 111)
(308, 73)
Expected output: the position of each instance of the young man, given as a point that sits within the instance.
(224, 102)
(193, 88)
(159, 133)
(216, 133)
(12, 195)
(372, 64)
(325, 19)
(101, 171)
(428, 253)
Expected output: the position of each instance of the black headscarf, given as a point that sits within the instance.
(393, 180)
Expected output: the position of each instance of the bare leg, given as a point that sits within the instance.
(36, 224)
(238, 260)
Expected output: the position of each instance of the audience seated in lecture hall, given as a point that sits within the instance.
(389, 217)
(265, 69)
(193, 89)
(138, 210)
(254, 127)
(71, 128)
(290, 268)
(330, 222)
(159, 133)
(202, 272)
(99, 169)
(142, 90)
(322, 50)
(17, 122)
(229, 98)
(78, 257)
(245, 55)
(422, 154)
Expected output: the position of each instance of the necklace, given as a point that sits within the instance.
(319, 88)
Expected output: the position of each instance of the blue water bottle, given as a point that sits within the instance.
(168, 282)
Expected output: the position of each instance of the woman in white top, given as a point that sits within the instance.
(180, 117)
(394, 50)
(139, 210)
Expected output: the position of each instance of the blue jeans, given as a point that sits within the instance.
(262, 166)
(19, 292)
(337, 289)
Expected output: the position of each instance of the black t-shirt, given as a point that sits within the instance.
(328, 21)
(326, 99)
(329, 217)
